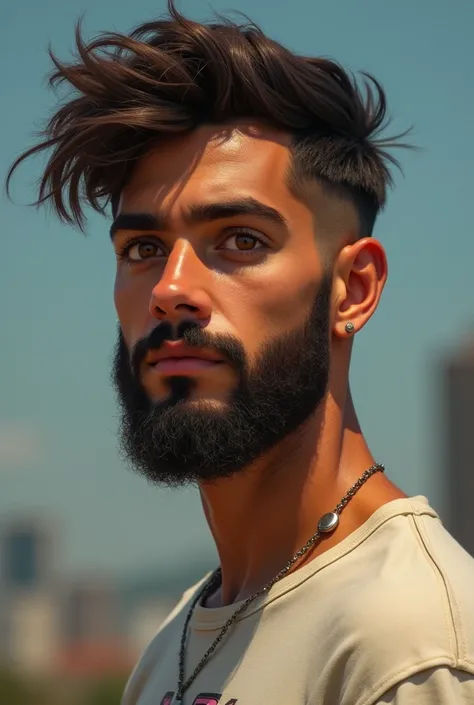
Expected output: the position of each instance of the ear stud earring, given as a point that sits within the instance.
(349, 328)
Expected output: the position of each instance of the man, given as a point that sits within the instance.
(245, 182)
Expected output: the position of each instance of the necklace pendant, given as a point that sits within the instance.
(328, 522)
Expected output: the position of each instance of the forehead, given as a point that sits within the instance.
(213, 163)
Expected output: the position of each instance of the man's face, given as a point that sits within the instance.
(223, 305)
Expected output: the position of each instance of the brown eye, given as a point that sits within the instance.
(144, 250)
(243, 242)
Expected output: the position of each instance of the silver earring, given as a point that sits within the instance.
(350, 328)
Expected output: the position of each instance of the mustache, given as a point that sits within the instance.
(192, 335)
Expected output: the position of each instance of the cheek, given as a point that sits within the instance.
(288, 301)
(274, 300)
(131, 298)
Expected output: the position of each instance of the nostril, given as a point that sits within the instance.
(180, 307)
(187, 307)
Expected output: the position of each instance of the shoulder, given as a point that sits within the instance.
(413, 611)
(439, 684)
(166, 634)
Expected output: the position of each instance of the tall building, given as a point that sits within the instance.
(33, 638)
(459, 445)
(26, 554)
(29, 618)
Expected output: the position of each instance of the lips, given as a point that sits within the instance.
(183, 365)
(177, 358)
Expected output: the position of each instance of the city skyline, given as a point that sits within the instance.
(85, 627)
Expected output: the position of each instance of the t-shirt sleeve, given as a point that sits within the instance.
(435, 686)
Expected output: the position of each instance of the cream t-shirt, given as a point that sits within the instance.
(386, 616)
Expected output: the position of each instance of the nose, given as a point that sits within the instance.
(180, 294)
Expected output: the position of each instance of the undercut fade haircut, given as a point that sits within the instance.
(170, 76)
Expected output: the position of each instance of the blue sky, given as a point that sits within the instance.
(57, 414)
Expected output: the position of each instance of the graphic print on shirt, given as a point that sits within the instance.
(167, 698)
(201, 699)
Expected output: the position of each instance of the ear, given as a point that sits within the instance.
(360, 274)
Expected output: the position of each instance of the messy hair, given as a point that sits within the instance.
(172, 75)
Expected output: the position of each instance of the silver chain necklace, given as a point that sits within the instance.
(326, 524)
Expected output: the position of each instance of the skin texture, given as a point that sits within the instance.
(194, 271)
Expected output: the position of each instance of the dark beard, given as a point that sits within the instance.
(176, 443)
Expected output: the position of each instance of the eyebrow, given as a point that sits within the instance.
(199, 213)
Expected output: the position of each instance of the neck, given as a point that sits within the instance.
(262, 516)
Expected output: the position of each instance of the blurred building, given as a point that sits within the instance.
(29, 618)
(93, 640)
(91, 611)
(458, 422)
(33, 632)
(81, 629)
(27, 553)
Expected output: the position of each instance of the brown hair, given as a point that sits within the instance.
(173, 74)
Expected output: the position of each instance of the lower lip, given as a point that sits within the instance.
(184, 365)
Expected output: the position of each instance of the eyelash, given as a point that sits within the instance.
(123, 253)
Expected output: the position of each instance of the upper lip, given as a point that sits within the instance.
(180, 350)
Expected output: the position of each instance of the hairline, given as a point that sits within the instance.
(297, 180)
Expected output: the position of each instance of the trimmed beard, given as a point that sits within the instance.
(176, 443)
